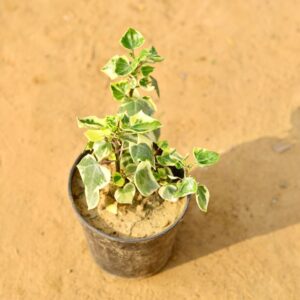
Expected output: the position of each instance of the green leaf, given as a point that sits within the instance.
(162, 173)
(202, 197)
(112, 122)
(141, 152)
(154, 83)
(142, 123)
(95, 135)
(94, 177)
(164, 145)
(144, 179)
(132, 39)
(119, 89)
(186, 186)
(130, 169)
(110, 68)
(168, 192)
(122, 66)
(102, 149)
(153, 55)
(126, 194)
(132, 107)
(146, 84)
(205, 157)
(90, 122)
(146, 70)
(170, 159)
(142, 57)
(149, 55)
(117, 179)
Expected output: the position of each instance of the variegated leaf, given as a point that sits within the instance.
(144, 179)
(126, 194)
(94, 177)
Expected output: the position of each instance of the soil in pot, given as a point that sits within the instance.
(146, 217)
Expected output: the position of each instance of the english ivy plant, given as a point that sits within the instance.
(124, 151)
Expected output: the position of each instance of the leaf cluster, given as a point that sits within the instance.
(129, 141)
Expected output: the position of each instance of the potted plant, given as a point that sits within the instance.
(130, 189)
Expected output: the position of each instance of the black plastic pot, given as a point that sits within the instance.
(128, 257)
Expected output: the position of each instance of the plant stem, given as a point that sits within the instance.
(116, 146)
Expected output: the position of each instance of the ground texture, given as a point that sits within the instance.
(230, 82)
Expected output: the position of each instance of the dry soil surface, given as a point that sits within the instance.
(230, 82)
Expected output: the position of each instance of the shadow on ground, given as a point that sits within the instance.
(255, 189)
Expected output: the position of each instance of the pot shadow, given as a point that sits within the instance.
(255, 190)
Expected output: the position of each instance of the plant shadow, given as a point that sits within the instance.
(255, 190)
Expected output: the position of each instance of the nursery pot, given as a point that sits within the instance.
(128, 257)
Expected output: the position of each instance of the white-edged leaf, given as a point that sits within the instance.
(132, 39)
(170, 159)
(205, 157)
(168, 192)
(102, 149)
(141, 152)
(118, 179)
(90, 122)
(186, 186)
(150, 54)
(130, 170)
(146, 70)
(94, 178)
(119, 89)
(143, 123)
(133, 106)
(110, 68)
(202, 197)
(144, 179)
(146, 84)
(125, 194)
(153, 55)
(163, 144)
(122, 66)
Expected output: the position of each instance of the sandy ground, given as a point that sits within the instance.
(230, 82)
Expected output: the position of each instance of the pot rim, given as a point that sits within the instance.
(85, 223)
